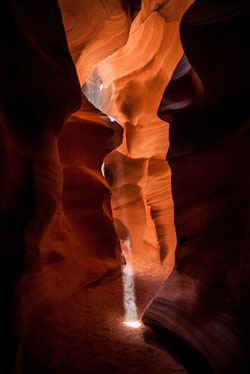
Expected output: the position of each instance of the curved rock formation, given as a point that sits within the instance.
(134, 79)
(80, 245)
(57, 227)
(86, 139)
(40, 220)
(205, 302)
(94, 31)
(38, 92)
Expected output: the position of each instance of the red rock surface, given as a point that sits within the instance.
(38, 92)
(205, 302)
(63, 298)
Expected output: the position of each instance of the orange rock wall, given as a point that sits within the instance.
(134, 76)
(134, 79)
(56, 221)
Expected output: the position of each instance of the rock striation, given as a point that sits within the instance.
(108, 88)
(49, 187)
(134, 79)
(205, 301)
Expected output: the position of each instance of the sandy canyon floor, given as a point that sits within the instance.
(84, 333)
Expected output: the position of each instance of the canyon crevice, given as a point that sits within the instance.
(124, 197)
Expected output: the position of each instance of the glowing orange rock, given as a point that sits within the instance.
(134, 79)
(94, 31)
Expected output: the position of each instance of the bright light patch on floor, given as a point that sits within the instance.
(129, 302)
(134, 324)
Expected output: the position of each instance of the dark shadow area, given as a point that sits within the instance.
(192, 360)
(208, 110)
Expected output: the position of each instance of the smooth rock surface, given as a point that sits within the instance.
(205, 302)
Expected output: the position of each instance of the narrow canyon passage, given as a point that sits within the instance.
(124, 189)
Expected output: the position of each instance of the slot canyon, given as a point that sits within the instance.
(124, 190)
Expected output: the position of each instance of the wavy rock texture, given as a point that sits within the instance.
(134, 79)
(46, 193)
(86, 195)
(94, 31)
(80, 245)
(32, 112)
(205, 302)
(56, 221)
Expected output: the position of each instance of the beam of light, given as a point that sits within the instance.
(129, 302)
(101, 87)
